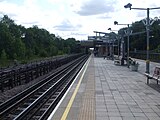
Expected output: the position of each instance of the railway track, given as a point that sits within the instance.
(22, 74)
(38, 101)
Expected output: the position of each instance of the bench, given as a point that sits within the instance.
(117, 60)
(155, 76)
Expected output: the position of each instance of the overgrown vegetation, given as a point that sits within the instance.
(23, 44)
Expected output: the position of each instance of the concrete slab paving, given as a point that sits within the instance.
(111, 92)
(125, 92)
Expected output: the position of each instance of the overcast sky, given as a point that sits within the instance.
(76, 18)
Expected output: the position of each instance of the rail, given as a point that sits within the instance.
(155, 57)
(12, 77)
(31, 105)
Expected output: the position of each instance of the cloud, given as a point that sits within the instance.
(31, 23)
(105, 16)
(95, 7)
(152, 12)
(141, 14)
(67, 26)
(2, 13)
(79, 34)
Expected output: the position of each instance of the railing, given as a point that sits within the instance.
(142, 55)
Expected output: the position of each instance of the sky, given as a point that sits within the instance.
(76, 18)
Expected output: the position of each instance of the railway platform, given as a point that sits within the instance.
(104, 91)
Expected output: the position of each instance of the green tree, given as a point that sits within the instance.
(22, 43)
(6, 40)
(3, 55)
(3, 58)
(19, 48)
(139, 41)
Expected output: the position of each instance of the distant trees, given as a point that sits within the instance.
(18, 42)
(139, 41)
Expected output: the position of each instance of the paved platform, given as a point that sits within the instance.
(104, 91)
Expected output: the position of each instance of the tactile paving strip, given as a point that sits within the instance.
(87, 111)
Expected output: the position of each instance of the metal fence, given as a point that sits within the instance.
(142, 55)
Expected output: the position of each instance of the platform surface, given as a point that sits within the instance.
(104, 91)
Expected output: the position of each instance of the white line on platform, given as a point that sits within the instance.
(84, 67)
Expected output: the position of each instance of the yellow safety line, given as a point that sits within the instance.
(65, 114)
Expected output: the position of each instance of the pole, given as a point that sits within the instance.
(113, 50)
(122, 50)
(147, 30)
(128, 32)
(118, 46)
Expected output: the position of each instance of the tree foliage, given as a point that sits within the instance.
(139, 42)
(18, 42)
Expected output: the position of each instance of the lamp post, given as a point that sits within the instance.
(112, 45)
(127, 33)
(148, 23)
